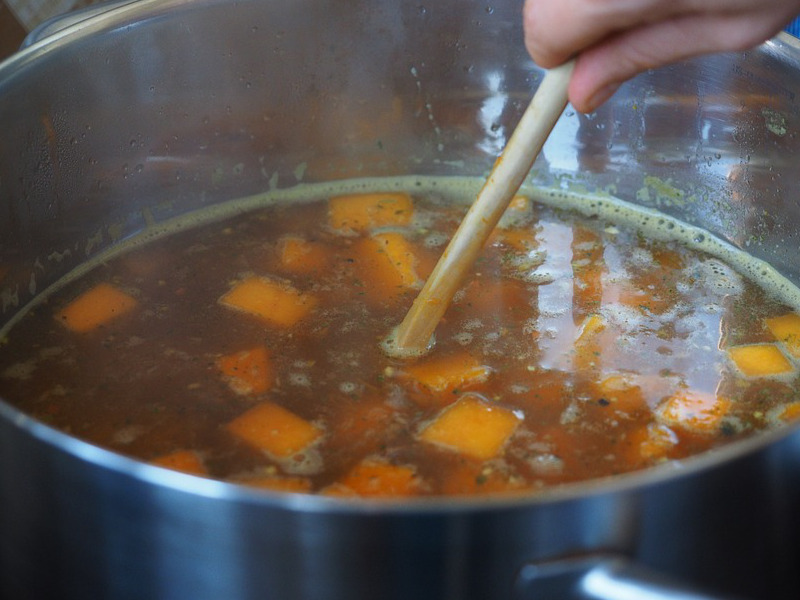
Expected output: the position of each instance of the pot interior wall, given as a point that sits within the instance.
(159, 108)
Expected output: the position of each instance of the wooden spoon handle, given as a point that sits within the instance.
(413, 336)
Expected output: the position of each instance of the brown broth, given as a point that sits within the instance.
(585, 332)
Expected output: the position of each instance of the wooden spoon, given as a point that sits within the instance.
(414, 336)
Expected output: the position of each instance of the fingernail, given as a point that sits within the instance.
(600, 96)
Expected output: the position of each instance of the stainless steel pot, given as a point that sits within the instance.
(131, 116)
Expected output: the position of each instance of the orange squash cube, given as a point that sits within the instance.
(248, 371)
(446, 374)
(624, 393)
(472, 427)
(399, 254)
(186, 461)
(274, 430)
(790, 412)
(786, 330)
(589, 328)
(587, 350)
(760, 360)
(96, 307)
(696, 411)
(275, 303)
(376, 478)
(387, 264)
(360, 212)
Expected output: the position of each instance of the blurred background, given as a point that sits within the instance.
(18, 17)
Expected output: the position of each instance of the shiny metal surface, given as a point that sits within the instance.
(159, 107)
(601, 576)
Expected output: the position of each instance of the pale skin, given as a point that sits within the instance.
(614, 40)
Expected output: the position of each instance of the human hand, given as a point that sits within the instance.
(617, 39)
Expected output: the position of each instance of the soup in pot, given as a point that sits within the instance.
(245, 346)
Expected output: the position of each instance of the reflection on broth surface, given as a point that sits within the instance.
(247, 349)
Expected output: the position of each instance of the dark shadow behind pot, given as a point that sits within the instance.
(157, 108)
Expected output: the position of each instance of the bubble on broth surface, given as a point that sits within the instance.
(300, 379)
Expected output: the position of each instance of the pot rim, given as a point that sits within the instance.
(242, 494)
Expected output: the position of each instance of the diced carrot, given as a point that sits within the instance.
(473, 427)
(376, 478)
(359, 212)
(700, 412)
(387, 263)
(634, 390)
(301, 485)
(650, 442)
(587, 348)
(446, 374)
(248, 371)
(786, 330)
(589, 328)
(760, 360)
(624, 393)
(400, 256)
(187, 461)
(299, 255)
(470, 478)
(96, 307)
(790, 412)
(276, 303)
(274, 429)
